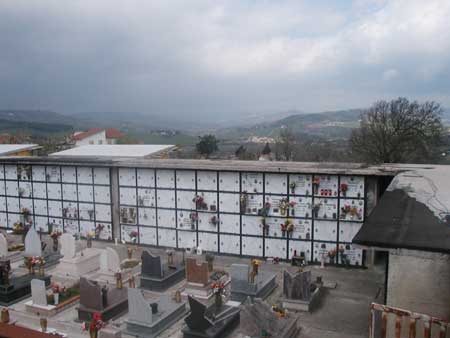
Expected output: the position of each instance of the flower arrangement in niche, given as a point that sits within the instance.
(194, 218)
(316, 184)
(264, 211)
(243, 201)
(292, 205)
(284, 206)
(265, 226)
(133, 236)
(316, 209)
(332, 255)
(343, 189)
(54, 235)
(292, 186)
(214, 220)
(98, 229)
(200, 203)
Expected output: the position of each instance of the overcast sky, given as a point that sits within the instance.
(206, 58)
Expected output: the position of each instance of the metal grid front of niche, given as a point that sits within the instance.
(244, 213)
(74, 199)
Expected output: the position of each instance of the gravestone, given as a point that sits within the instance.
(240, 272)
(68, 248)
(151, 265)
(38, 293)
(109, 303)
(3, 246)
(297, 286)
(242, 288)
(32, 244)
(157, 276)
(299, 293)
(109, 260)
(138, 308)
(143, 321)
(197, 273)
(257, 316)
(15, 288)
(210, 322)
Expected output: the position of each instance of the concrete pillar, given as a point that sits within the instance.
(115, 202)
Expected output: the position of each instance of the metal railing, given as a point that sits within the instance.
(390, 322)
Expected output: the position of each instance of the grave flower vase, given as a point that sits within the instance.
(41, 270)
(56, 298)
(43, 323)
(55, 244)
(5, 316)
(93, 333)
(218, 299)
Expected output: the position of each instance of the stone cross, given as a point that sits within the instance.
(3, 245)
(297, 286)
(67, 246)
(38, 294)
(32, 244)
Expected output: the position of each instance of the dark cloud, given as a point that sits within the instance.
(217, 59)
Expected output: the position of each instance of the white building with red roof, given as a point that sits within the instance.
(97, 136)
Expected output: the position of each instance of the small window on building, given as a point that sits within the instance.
(100, 141)
(109, 141)
(91, 142)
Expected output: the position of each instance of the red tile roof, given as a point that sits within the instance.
(110, 133)
(114, 133)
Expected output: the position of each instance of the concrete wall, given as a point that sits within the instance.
(419, 281)
(158, 204)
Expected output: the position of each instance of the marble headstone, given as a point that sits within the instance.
(3, 246)
(32, 244)
(240, 272)
(139, 309)
(109, 260)
(38, 293)
(67, 245)
(151, 265)
(297, 286)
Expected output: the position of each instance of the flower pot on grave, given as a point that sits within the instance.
(93, 333)
(41, 270)
(5, 316)
(218, 299)
(55, 244)
(89, 242)
(283, 233)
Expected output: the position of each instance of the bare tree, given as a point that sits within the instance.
(398, 131)
(285, 145)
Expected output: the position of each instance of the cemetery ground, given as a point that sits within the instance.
(343, 312)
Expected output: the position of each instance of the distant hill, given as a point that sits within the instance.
(329, 125)
(39, 116)
(34, 122)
